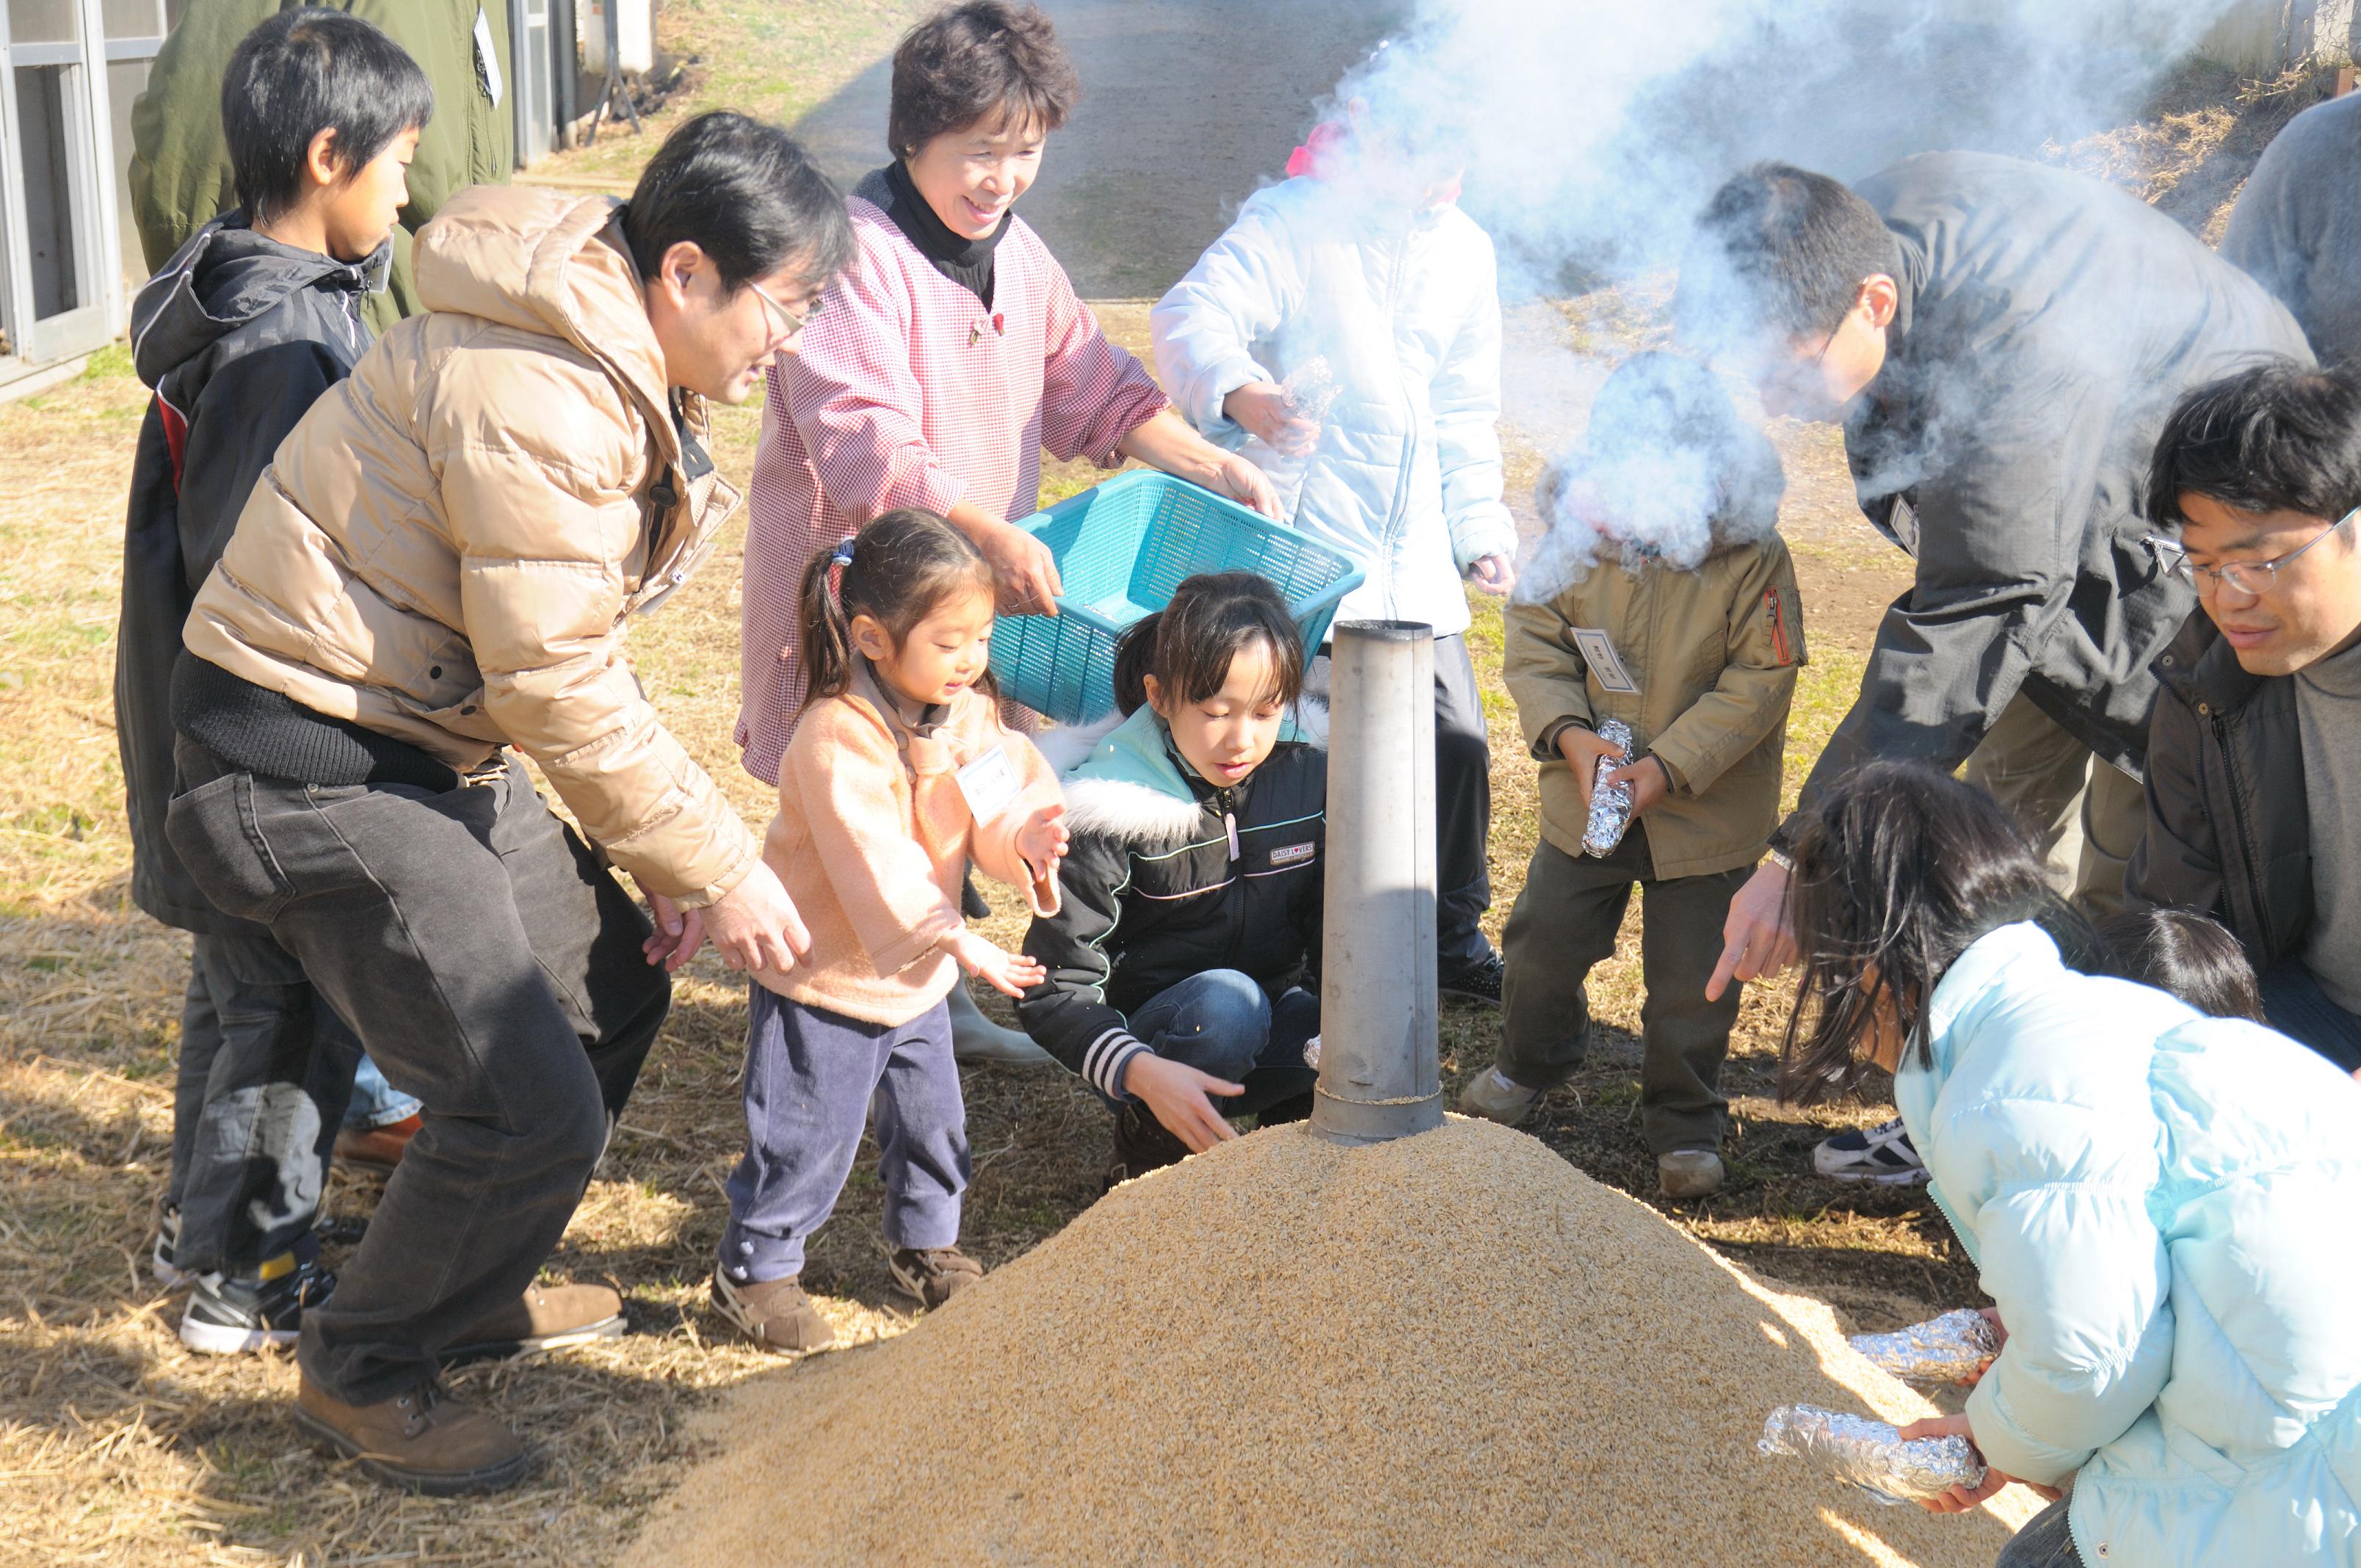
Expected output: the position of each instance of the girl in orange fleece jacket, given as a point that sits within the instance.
(900, 771)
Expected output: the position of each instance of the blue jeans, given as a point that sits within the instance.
(2297, 1008)
(2044, 1543)
(375, 1102)
(1224, 1022)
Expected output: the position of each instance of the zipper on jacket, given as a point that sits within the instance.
(1778, 626)
(2220, 723)
(1235, 897)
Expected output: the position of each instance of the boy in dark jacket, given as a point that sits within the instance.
(1665, 600)
(1192, 882)
(258, 314)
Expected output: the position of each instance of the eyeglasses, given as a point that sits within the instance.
(1799, 380)
(796, 324)
(2252, 578)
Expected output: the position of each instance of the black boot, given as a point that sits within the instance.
(1141, 1144)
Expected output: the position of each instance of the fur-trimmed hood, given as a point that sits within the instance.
(1123, 779)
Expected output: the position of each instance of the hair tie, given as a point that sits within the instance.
(843, 557)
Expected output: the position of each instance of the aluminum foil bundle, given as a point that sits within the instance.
(1871, 1454)
(1312, 390)
(1311, 1053)
(1940, 1349)
(1610, 805)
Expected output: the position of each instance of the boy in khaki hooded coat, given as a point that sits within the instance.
(1665, 600)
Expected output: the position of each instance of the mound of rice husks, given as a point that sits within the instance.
(1452, 1348)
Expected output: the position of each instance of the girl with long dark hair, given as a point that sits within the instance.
(2162, 1204)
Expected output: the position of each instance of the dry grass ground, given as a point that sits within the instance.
(119, 1447)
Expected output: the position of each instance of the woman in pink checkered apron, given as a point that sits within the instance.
(938, 366)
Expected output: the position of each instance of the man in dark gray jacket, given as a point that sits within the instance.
(2253, 761)
(2002, 342)
(2296, 227)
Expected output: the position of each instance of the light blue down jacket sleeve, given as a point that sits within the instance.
(2079, 1272)
(1206, 325)
(1467, 401)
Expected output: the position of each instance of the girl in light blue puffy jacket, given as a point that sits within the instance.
(2165, 1207)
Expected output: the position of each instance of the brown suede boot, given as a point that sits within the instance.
(934, 1275)
(774, 1313)
(422, 1441)
(379, 1149)
(546, 1317)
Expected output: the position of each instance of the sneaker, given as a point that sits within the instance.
(1142, 1143)
(1689, 1173)
(168, 1273)
(546, 1317)
(379, 1149)
(932, 1276)
(774, 1313)
(423, 1442)
(1479, 982)
(228, 1316)
(1496, 1097)
(1881, 1153)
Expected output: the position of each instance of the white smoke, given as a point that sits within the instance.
(1591, 133)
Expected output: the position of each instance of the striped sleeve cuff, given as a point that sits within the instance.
(1104, 1062)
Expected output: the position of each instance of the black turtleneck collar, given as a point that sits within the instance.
(967, 262)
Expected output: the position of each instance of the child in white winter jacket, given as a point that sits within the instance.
(1390, 450)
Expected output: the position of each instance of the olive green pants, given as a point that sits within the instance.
(2085, 816)
(1564, 922)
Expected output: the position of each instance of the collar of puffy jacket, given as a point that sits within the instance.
(1993, 961)
(542, 261)
(227, 276)
(1132, 784)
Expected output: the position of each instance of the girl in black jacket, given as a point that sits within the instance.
(1192, 882)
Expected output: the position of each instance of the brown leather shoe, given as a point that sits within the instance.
(933, 1275)
(774, 1313)
(546, 1317)
(379, 1149)
(423, 1441)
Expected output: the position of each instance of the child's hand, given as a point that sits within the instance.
(1648, 779)
(679, 934)
(1582, 749)
(2000, 1331)
(1042, 841)
(1496, 575)
(1011, 974)
(1176, 1092)
(1957, 1499)
(1261, 408)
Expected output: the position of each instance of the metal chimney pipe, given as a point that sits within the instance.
(1378, 1076)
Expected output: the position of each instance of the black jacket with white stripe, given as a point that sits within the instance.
(1168, 877)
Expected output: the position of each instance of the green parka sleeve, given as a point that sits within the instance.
(1765, 641)
(1545, 674)
(180, 172)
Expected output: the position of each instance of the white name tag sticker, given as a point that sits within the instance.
(989, 783)
(487, 59)
(1597, 651)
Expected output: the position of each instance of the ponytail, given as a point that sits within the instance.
(895, 571)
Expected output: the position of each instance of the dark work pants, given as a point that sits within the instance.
(2296, 1007)
(266, 1067)
(1463, 812)
(1564, 922)
(1224, 1022)
(493, 968)
(814, 1078)
(2045, 1541)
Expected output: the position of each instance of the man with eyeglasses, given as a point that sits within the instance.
(2000, 341)
(2254, 760)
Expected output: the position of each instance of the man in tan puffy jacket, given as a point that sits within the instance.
(439, 565)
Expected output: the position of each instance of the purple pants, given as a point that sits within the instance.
(812, 1079)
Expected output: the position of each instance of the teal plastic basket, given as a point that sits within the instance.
(1121, 550)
